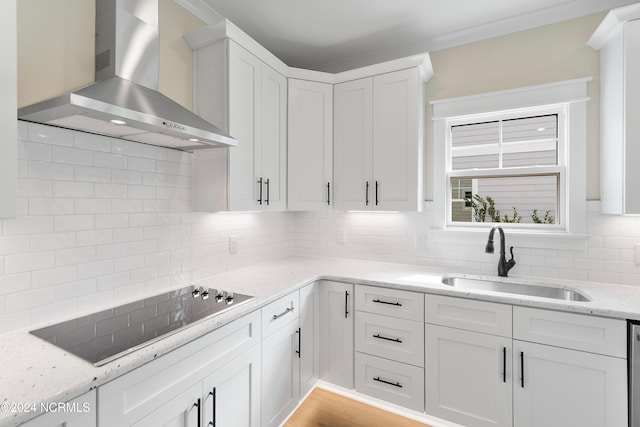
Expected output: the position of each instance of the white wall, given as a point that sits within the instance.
(103, 220)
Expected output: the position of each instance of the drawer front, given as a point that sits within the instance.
(394, 382)
(136, 394)
(390, 302)
(575, 331)
(279, 313)
(470, 315)
(396, 339)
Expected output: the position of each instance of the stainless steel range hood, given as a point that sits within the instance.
(124, 102)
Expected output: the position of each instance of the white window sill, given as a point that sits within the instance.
(516, 238)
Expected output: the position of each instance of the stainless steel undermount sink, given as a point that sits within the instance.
(541, 291)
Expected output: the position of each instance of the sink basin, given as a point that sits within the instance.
(516, 288)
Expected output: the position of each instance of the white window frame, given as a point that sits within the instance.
(568, 98)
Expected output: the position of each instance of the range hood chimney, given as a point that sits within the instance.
(124, 101)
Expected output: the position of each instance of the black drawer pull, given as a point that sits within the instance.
(380, 380)
(522, 369)
(504, 364)
(387, 338)
(387, 302)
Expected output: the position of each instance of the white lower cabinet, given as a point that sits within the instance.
(480, 379)
(79, 412)
(309, 337)
(280, 374)
(169, 390)
(558, 387)
(336, 333)
(468, 376)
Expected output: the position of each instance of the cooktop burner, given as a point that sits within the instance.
(106, 335)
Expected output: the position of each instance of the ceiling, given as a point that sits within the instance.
(337, 35)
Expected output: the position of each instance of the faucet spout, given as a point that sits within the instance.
(503, 265)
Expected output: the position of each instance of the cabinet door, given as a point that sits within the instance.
(232, 393)
(309, 337)
(273, 141)
(310, 145)
(397, 141)
(280, 375)
(353, 156)
(83, 415)
(244, 124)
(181, 411)
(336, 336)
(468, 377)
(557, 387)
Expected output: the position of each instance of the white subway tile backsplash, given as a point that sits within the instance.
(72, 155)
(94, 269)
(34, 151)
(153, 152)
(107, 160)
(35, 187)
(126, 148)
(110, 191)
(142, 165)
(92, 142)
(75, 255)
(92, 206)
(51, 206)
(72, 189)
(94, 237)
(92, 174)
(53, 276)
(52, 241)
(45, 170)
(29, 262)
(10, 245)
(82, 241)
(49, 135)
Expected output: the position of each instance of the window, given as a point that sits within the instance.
(515, 157)
(506, 167)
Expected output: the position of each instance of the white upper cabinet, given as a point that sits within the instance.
(618, 39)
(310, 145)
(353, 158)
(239, 92)
(8, 110)
(379, 142)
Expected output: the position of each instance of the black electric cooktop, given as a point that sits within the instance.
(106, 335)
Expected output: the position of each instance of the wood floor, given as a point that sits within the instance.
(325, 409)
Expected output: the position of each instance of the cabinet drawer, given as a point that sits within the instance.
(279, 313)
(396, 339)
(471, 315)
(575, 331)
(392, 381)
(390, 302)
(136, 394)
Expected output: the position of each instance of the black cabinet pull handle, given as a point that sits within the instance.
(260, 186)
(328, 193)
(379, 301)
(212, 423)
(522, 369)
(346, 304)
(366, 194)
(377, 202)
(197, 405)
(387, 338)
(380, 380)
(266, 200)
(299, 343)
(504, 364)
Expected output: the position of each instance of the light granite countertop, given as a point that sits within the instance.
(34, 371)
